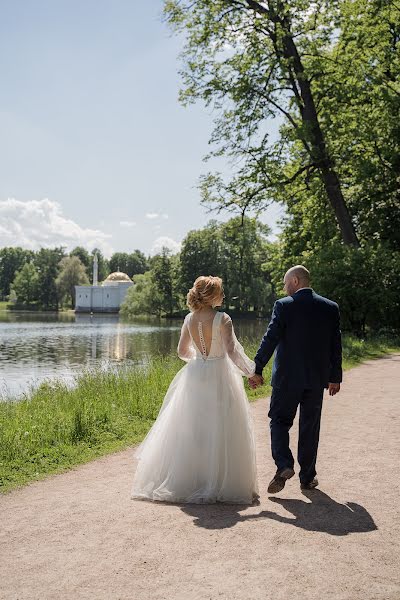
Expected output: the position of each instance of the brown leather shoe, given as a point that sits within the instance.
(278, 482)
(310, 485)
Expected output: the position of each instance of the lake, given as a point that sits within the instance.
(39, 346)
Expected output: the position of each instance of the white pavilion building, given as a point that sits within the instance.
(105, 297)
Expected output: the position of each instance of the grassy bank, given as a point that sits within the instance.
(55, 427)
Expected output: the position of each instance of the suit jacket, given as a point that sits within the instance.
(305, 332)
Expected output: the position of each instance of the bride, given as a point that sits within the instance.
(201, 448)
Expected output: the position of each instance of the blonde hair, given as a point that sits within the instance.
(205, 290)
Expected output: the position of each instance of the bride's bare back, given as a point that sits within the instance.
(197, 337)
(201, 329)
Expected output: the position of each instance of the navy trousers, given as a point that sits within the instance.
(284, 403)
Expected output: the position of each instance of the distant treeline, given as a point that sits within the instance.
(237, 251)
(364, 281)
(45, 279)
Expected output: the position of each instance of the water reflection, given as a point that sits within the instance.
(34, 346)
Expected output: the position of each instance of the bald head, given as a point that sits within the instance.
(295, 278)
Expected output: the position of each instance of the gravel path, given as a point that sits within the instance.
(79, 535)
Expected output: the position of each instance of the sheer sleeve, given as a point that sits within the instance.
(185, 350)
(234, 348)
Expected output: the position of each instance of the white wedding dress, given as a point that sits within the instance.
(201, 448)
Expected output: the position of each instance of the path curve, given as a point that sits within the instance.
(78, 535)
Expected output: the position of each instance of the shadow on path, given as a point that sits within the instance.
(322, 513)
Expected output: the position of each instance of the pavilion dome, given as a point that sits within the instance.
(117, 277)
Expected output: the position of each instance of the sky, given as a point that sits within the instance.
(95, 148)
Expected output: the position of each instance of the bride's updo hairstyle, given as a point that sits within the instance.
(206, 291)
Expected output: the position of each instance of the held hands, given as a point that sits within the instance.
(255, 381)
(333, 388)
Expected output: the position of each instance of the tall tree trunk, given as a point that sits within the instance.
(301, 86)
(317, 147)
(334, 193)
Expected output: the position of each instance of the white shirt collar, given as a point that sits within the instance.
(303, 288)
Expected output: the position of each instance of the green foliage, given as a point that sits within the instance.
(244, 250)
(364, 282)
(359, 103)
(251, 61)
(131, 264)
(237, 251)
(72, 273)
(47, 262)
(84, 257)
(26, 284)
(359, 107)
(202, 254)
(141, 298)
(154, 292)
(11, 261)
(237, 59)
(162, 274)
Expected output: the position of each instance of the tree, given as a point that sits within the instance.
(156, 292)
(345, 274)
(119, 262)
(163, 282)
(11, 261)
(47, 261)
(202, 254)
(138, 263)
(84, 257)
(142, 298)
(26, 284)
(251, 60)
(246, 251)
(359, 108)
(238, 252)
(131, 264)
(72, 273)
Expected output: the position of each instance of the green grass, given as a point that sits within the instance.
(54, 427)
(3, 305)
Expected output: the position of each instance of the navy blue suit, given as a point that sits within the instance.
(305, 332)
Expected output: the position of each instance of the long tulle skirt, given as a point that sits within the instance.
(201, 448)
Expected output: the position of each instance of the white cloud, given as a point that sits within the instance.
(165, 242)
(127, 223)
(156, 215)
(41, 224)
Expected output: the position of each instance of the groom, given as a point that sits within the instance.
(305, 331)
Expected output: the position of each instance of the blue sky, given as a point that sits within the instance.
(95, 149)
